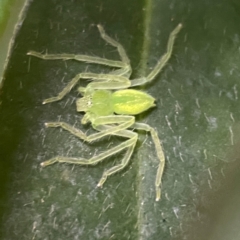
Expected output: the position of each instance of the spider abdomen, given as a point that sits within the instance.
(131, 102)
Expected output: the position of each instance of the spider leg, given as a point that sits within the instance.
(104, 81)
(120, 166)
(129, 145)
(162, 62)
(79, 57)
(119, 47)
(121, 72)
(124, 65)
(123, 122)
(160, 154)
(94, 160)
(127, 157)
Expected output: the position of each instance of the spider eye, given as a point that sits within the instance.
(89, 103)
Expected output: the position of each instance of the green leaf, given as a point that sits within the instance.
(197, 118)
(11, 17)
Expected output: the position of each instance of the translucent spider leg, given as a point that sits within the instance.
(162, 62)
(127, 156)
(123, 121)
(114, 43)
(124, 71)
(124, 65)
(79, 57)
(94, 160)
(120, 166)
(160, 154)
(105, 81)
(129, 145)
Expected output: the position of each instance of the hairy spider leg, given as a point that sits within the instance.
(114, 43)
(128, 154)
(162, 62)
(160, 154)
(126, 71)
(105, 81)
(129, 145)
(123, 122)
(159, 150)
(78, 57)
(120, 166)
(124, 65)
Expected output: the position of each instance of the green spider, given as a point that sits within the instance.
(111, 107)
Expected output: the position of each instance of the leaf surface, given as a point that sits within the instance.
(197, 118)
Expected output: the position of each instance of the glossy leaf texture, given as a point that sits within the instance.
(197, 118)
